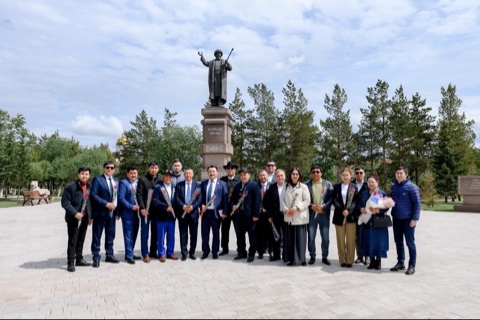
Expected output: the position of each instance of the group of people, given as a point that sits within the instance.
(279, 213)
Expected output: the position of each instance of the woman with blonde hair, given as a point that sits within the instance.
(344, 200)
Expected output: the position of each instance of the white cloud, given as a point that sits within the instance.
(99, 126)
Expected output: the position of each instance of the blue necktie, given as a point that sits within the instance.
(187, 197)
(209, 191)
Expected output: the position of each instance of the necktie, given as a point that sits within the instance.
(187, 197)
(110, 187)
(209, 191)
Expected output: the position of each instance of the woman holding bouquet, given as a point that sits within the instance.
(344, 200)
(294, 204)
(374, 239)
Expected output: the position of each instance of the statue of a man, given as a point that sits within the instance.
(217, 77)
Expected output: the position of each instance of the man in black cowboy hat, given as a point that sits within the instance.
(217, 78)
(231, 179)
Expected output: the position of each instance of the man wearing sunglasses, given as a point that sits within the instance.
(231, 179)
(321, 192)
(361, 187)
(270, 168)
(104, 212)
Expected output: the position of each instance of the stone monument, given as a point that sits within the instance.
(469, 187)
(217, 146)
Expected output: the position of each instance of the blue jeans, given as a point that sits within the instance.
(166, 229)
(401, 228)
(323, 223)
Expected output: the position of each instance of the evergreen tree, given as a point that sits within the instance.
(240, 129)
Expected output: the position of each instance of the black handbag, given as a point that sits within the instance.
(382, 221)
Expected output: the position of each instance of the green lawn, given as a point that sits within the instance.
(440, 205)
(8, 203)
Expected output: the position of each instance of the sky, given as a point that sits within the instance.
(87, 68)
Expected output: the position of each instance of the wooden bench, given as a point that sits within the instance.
(29, 196)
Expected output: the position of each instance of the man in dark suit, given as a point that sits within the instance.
(163, 200)
(187, 213)
(361, 187)
(263, 226)
(128, 211)
(321, 192)
(275, 214)
(231, 179)
(104, 204)
(214, 207)
(146, 183)
(245, 214)
(74, 198)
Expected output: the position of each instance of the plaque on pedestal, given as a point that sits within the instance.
(469, 187)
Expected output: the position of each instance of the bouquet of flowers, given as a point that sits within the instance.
(132, 189)
(321, 200)
(209, 203)
(195, 195)
(375, 201)
(350, 195)
(290, 211)
(167, 199)
(149, 201)
(276, 235)
(114, 198)
(240, 201)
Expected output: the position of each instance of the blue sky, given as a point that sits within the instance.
(86, 68)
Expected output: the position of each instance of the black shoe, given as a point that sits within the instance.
(312, 260)
(240, 256)
(372, 264)
(359, 260)
(304, 264)
(410, 270)
(137, 257)
(215, 256)
(111, 259)
(71, 267)
(251, 258)
(378, 264)
(130, 261)
(192, 256)
(183, 258)
(82, 263)
(260, 256)
(326, 261)
(96, 263)
(343, 265)
(224, 252)
(154, 256)
(290, 264)
(398, 266)
(349, 265)
(204, 256)
(274, 258)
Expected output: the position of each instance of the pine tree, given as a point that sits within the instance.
(241, 119)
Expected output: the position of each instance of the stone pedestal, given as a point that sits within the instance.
(469, 188)
(217, 146)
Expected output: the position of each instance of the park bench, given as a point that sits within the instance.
(29, 196)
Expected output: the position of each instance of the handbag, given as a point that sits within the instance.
(380, 221)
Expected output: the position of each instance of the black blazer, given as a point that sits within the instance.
(72, 199)
(271, 201)
(251, 204)
(340, 205)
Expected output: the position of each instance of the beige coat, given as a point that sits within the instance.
(302, 201)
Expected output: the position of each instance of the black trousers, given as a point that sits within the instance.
(243, 225)
(275, 247)
(263, 233)
(226, 222)
(184, 226)
(76, 239)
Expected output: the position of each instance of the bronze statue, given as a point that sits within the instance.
(217, 77)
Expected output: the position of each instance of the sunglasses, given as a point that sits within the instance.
(270, 165)
(315, 171)
(358, 172)
(229, 168)
(109, 167)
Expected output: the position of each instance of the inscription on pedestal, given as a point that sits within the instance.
(469, 187)
(213, 148)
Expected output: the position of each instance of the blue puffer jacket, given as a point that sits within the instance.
(407, 200)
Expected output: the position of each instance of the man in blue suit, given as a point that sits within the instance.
(212, 210)
(103, 197)
(245, 214)
(187, 213)
(128, 210)
(163, 208)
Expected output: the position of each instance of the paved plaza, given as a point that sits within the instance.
(35, 284)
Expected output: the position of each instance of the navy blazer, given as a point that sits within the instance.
(159, 204)
(251, 204)
(327, 197)
(262, 205)
(221, 196)
(340, 205)
(126, 199)
(100, 195)
(180, 198)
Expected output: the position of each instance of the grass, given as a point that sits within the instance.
(440, 205)
(7, 203)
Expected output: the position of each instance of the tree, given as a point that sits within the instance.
(336, 131)
(455, 143)
(240, 129)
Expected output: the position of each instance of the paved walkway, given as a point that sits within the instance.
(35, 284)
